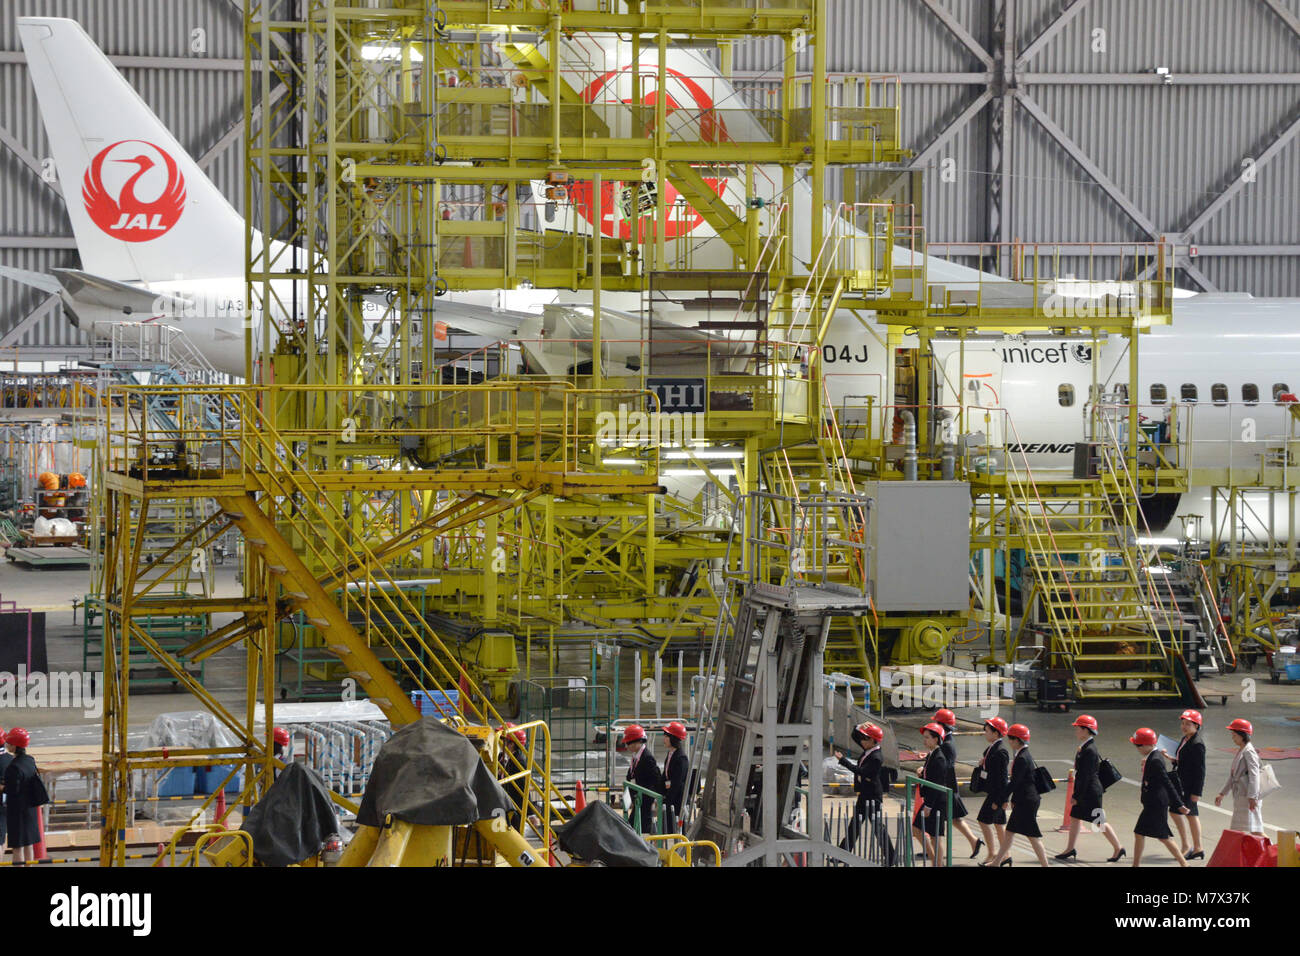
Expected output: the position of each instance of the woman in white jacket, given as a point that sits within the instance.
(1243, 781)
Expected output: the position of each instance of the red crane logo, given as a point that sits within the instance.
(696, 113)
(130, 215)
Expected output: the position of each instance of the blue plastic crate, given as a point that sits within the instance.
(436, 703)
(1293, 669)
(207, 779)
(177, 782)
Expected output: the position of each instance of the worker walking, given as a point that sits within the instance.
(24, 796)
(1023, 800)
(948, 721)
(928, 824)
(1159, 798)
(1189, 777)
(1088, 791)
(676, 771)
(644, 772)
(994, 783)
(869, 782)
(1243, 781)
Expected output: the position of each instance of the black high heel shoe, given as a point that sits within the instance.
(1116, 858)
(1006, 862)
(976, 852)
(1194, 855)
(1066, 855)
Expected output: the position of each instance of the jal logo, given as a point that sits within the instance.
(690, 114)
(133, 191)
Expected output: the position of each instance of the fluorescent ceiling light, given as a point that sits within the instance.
(696, 473)
(723, 453)
(620, 461)
(1156, 570)
(1158, 542)
(389, 51)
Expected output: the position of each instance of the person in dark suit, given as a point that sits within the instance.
(869, 782)
(994, 784)
(23, 822)
(948, 721)
(927, 825)
(1088, 791)
(673, 776)
(1022, 799)
(1189, 776)
(1159, 798)
(644, 772)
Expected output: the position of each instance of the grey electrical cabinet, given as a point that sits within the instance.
(920, 545)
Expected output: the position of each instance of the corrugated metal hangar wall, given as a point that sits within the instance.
(1043, 120)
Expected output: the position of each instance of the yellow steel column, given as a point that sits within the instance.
(553, 51)
(817, 125)
(661, 141)
(490, 527)
(597, 217)
(1132, 453)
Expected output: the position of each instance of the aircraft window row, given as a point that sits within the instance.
(1218, 393)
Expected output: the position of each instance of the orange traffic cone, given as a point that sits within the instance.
(220, 810)
(40, 853)
(1069, 797)
(579, 798)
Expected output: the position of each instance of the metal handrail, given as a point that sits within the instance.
(911, 780)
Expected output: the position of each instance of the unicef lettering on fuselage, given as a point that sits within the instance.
(1047, 354)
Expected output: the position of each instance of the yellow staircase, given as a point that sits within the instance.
(830, 539)
(1100, 609)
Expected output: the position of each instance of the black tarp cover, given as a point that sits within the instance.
(600, 835)
(293, 820)
(428, 773)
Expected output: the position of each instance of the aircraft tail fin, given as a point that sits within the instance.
(141, 208)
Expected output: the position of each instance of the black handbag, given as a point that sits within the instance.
(1107, 774)
(37, 796)
(977, 780)
(1043, 781)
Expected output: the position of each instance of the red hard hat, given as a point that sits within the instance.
(1193, 715)
(633, 733)
(18, 737)
(1240, 725)
(1019, 731)
(868, 729)
(676, 729)
(1086, 720)
(520, 736)
(933, 728)
(1143, 737)
(945, 717)
(998, 724)
(280, 736)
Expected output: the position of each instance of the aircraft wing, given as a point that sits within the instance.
(87, 289)
(37, 280)
(481, 319)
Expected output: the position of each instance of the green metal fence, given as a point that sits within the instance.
(579, 715)
(909, 782)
